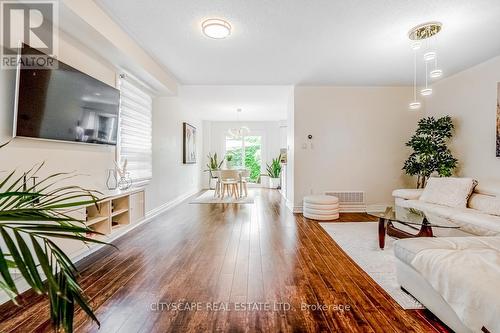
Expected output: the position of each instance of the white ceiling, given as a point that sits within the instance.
(219, 103)
(341, 42)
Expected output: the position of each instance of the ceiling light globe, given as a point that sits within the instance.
(415, 105)
(426, 92)
(216, 28)
(436, 73)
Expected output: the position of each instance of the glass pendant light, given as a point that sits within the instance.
(238, 132)
(415, 105)
(417, 35)
(429, 56)
(427, 90)
(436, 72)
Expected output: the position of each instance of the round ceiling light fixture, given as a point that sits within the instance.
(425, 30)
(216, 28)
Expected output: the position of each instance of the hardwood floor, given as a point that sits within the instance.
(211, 260)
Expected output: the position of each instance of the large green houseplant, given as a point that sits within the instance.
(30, 218)
(430, 153)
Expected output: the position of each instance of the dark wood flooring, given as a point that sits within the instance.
(211, 260)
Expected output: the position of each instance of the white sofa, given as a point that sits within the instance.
(456, 278)
(481, 217)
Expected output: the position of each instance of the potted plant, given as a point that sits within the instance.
(31, 217)
(430, 153)
(213, 162)
(213, 165)
(274, 172)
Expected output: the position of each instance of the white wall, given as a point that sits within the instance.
(470, 98)
(172, 178)
(359, 136)
(216, 131)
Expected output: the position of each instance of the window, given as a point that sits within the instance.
(246, 153)
(135, 138)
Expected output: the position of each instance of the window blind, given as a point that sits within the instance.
(135, 131)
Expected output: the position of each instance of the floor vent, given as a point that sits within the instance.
(350, 201)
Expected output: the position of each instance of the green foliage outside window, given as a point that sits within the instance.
(251, 155)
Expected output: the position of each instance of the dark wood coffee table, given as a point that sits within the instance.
(411, 218)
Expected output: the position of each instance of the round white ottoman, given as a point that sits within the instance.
(321, 207)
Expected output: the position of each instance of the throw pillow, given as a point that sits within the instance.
(448, 191)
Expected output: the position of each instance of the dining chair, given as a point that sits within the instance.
(244, 178)
(229, 182)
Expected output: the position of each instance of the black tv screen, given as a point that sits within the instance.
(65, 104)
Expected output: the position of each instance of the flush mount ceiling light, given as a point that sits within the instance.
(216, 28)
(420, 37)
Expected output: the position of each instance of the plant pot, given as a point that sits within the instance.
(274, 182)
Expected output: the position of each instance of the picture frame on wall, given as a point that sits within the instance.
(498, 119)
(189, 143)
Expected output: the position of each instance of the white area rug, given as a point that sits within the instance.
(360, 241)
(208, 198)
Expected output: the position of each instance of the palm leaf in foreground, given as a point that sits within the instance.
(30, 219)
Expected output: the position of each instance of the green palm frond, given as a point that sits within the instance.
(31, 217)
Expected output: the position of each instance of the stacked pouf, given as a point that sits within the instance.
(321, 207)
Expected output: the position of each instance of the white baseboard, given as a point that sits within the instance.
(168, 205)
(294, 209)
(21, 284)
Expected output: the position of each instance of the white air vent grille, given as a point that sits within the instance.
(350, 201)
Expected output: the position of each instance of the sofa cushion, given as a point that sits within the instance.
(448, 191)
(475, 222)
(485, 203)
(408, 194)
(491, 187)
(469, 220)
(406, 249)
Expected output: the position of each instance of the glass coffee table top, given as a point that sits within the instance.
(404, 223)
(408, 216)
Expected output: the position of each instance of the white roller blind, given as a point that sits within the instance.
(135, 135)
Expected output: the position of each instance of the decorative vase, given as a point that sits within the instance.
(111, 181)
(125, 182)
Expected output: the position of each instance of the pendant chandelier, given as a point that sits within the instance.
(421, 37)
(238, 132)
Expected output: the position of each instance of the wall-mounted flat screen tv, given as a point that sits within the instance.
(64, 104)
